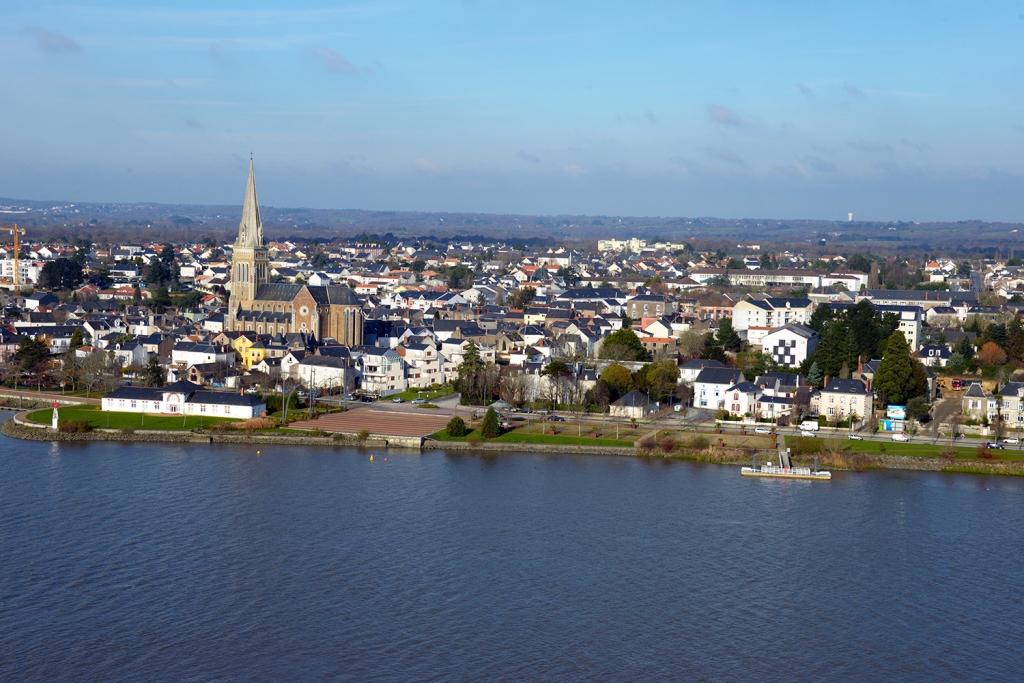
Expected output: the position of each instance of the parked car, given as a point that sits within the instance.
(900, 437)
(1013, 441)
(855, 437)
(419, 401)
(556, 418)
(992, 444)
(543, 412)
(762, 430)
(804, 432)
(398, 399)
(366, 399)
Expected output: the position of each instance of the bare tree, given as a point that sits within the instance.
(512, 386)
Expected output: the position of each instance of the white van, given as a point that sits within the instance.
(810, 426)
(900, 437)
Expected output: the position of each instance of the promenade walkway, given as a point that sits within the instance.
(383, 422)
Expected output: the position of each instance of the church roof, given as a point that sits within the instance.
(327, 294)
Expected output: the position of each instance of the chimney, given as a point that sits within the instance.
(825, 383)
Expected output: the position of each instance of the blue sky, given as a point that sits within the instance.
(892, 110)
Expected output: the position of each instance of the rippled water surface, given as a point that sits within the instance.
(199, 563)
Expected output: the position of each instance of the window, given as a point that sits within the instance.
(202, 407)
(133, 404)
(831, 411)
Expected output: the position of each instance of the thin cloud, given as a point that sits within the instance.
(804, 89)
(819, 164)
(651, 117)
(51, 41)
(573, 169)
(919, 146)
(528, 157)
(193, 123)
(800, 169)
(862, 145)
(853, 90)
(724, 154)
(723, 115)
(422, 164)
(333, 61)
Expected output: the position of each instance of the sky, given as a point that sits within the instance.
(891, 110)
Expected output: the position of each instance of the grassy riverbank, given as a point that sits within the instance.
(99, 419)
(517, 436)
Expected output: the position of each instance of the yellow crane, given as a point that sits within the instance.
(17, 250)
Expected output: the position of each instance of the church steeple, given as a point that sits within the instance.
(250, 229)
(250, 263)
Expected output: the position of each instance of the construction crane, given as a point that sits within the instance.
(17, 250)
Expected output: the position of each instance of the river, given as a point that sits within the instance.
(130, 562)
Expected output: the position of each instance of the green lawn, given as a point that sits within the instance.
(516, 436)
(410, 394)
(114, 420)
(917, 449)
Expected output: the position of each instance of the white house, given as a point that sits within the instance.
(183, 398)
(790, 345)
(382, 370)
(711, 384)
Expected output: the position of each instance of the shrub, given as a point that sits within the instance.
(255, 423)
(363, 435)
(646, 444)
(698, 443)
(456, 427)
(490, 428)
(474, 438)
(74, 426)
(984, 452)
(668, 445)
(317, 432)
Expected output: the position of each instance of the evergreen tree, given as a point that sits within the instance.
(957, 363)
(814, 376)
(822, 314)
(1015, 342)
(490, 428)
(727, 336)
(471, 361)
(894, 380)
(153, 375)
(76, 339)
(456, 426)
(965, 348)
(32, 354)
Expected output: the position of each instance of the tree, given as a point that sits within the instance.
(991, 354)
(736, 264)
(727, 336)
(61, 273)
(661, 380)
(917, 408)
(965, 348)
(71, 369)
(32, 354)
(471, 361)
(920, 380)
(711, 350)
(691, 343)
(963, 269)
(618, 380)
(894, 380)
(956, 363)
(556, 368)
(76, 340)
(456, 426)
(814, 376)
(153, 375)
(490, 429)
(623, 345)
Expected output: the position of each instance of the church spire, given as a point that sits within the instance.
(250, 229)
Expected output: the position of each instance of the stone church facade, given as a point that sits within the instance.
(256, 305)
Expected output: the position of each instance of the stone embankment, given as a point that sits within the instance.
(19, 429)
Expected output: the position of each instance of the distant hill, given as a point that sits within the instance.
(115, 222)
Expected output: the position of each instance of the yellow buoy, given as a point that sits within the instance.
(257, 452)
(371, 458)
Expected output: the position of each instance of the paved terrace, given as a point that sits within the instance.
(387, 423)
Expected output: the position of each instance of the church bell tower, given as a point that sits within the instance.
(250, 264)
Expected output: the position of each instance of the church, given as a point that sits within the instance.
(257, 305)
